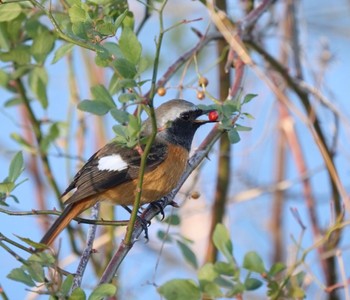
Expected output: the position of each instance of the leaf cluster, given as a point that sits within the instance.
(227, 279)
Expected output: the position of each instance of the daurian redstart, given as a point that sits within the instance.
(112, 172)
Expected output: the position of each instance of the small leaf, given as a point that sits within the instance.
(31, 243)
(233, 136)
(225, 268)
(37, 81)
(276, 268)
(120, 116)
(35, 270)
(95, 107)
(101, 94)
(62, 51)
(102, 291)
(164, 236)
(130, 46)
(77, 294)
(19, 275)
(222, 241)
(253, 262)
(252, 284)
(77, 14)
(6, 187)
(125, 68)
(66, 285)
(124, 98)
(207, 273)
(9, 11)
(173, 220)
(188, 254)
(180, 289)
(16, 167)
(249, 97)
(42, 46)
(120, 19)
(20, 140)
(242, 128)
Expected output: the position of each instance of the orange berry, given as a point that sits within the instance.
(200, 95)
(161, 91)
(195, 195)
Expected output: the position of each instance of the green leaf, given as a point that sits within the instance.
(9, 11)
(6, 187)
(120, 116)
(4, 78)
(42, 46)
(249, 97)
(233, 136)
(225, 268)
(31, 243)
(19, 55)
(62, 51)
(19, 275)
(20, 140)
(66, 285)
(253, 262)
(16, 167)
(77, 294)
(188, 254)
(222, 241)
(207, 273)
(52, 135)
(101, 94)
(106, 28)
(38, 81)
(43, 258)
(35, 270)
(102, 291)
(124, 98)
(173, 220)
(94, 107)
(276, 268)
(242, 128)
(252, 284)
(120, 19)
(125, 68)
(164, 236)
(130, 46)
(77, 14)
(180, 289)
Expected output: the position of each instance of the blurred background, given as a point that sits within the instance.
(277, 197)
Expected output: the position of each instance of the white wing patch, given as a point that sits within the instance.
(112, 162)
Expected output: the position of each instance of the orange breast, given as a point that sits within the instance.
(156, 183)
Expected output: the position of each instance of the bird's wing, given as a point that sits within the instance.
(110, 166)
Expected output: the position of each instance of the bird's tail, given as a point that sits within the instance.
(70, 212)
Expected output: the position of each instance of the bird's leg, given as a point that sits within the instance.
(160, 205)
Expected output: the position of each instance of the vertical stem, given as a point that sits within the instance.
(224, 162)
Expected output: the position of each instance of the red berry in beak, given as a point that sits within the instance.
(213, 116)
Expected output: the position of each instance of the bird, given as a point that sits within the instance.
(111, 174)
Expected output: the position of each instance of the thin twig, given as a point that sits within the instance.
(88, 248)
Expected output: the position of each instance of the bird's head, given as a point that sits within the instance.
(177, 122)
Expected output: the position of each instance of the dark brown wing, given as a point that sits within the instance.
(91, 180)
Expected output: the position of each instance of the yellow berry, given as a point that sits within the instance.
(195, 195)
(203, 81)
(161, 91)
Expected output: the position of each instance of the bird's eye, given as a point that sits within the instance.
(185, 116)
